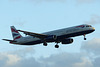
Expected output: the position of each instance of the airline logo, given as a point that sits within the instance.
(13, 30)
(15, 34)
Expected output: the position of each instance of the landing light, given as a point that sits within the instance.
(93, 28)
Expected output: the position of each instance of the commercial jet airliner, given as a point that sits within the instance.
(63, 36)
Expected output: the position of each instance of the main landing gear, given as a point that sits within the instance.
(57, 46)
(84, 37)
(45, 43)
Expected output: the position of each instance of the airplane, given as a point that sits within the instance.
(63, 36)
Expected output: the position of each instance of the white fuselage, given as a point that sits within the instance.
(63, 33)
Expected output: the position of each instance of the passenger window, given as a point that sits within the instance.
(87, 26)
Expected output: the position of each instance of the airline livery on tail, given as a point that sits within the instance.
(63, 36)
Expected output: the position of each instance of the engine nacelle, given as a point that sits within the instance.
(67, 41)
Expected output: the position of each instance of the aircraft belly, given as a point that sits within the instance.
(32, 42)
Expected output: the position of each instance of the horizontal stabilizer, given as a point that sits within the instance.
(8, 40)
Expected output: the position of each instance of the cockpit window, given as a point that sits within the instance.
(88, 26)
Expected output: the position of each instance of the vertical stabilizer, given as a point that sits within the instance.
(15, 33)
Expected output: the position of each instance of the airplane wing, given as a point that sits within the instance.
(34, 34)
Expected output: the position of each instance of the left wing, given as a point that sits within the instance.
(41, 36)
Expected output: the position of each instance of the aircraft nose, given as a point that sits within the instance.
(93, 28)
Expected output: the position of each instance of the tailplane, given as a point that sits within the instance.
(15, 33)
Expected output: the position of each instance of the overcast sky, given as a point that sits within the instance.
(46, 15)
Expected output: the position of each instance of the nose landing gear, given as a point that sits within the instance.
(84, 36)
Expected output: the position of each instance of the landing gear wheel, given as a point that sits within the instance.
(45, 44)
(84, 38)
(56, 46)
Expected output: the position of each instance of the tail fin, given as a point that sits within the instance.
(15, 33)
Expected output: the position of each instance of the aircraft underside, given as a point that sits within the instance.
(59, 39)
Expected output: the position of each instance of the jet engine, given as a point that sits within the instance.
(67, 41)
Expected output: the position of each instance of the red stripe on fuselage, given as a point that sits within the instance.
(17, 37)
(80, 26)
